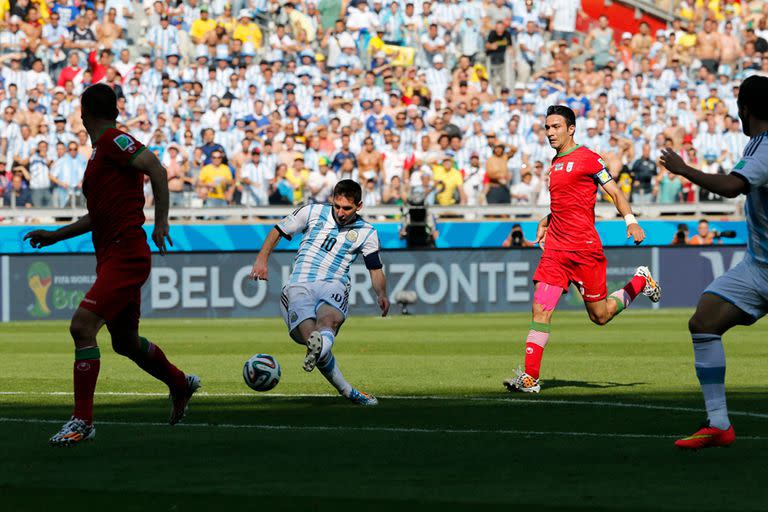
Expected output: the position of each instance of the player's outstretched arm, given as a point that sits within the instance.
(726, 185)
(43, 238)
(260, 268)
(379, 283)
(622, 205)
(147, 162)
(541, 231)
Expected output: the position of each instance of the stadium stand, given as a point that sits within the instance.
(440, 100)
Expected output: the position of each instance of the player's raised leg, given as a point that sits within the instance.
(545, 299)
(603, 311)
(151, 358)
(713, 317)
(83, 328)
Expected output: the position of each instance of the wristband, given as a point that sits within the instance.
(630, 219)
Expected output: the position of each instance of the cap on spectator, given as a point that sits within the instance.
(711, 157)
(204, 8)
(380, 55)
(298, 156)
(59, 89)
(474, 154)
(661, 33)
(626, 35)
(163, 17)
(59, 119)
(519, 86)
(15, 19)
(688, 139)
(591, 124)
(244, 13)
(323, 160)
(437, 58)
(255, 151)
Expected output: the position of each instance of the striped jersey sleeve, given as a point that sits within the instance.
(296, 222)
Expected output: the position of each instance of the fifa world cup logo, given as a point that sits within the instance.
(39, 280)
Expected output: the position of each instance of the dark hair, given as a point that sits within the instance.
(349, 189)
(705, 221)
(100, 101)
(563, 111)
(752, 95)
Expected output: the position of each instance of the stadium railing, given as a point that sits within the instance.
(243, 213)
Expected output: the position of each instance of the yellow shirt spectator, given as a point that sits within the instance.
(687, 41)
(217, 175)
(201, 27)
(248, 32)
(297, 178)
(447, 182)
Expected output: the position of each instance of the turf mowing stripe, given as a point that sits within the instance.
(403, 397)
(395, 430)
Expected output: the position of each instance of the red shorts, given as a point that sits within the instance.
(585, 269)
(121, 270)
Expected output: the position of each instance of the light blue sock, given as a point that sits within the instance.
(331, 372)
(328, 339)
(710, 369)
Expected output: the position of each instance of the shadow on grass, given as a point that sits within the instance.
(558, 383)
(365, 464)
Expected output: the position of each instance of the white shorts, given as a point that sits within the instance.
(299, 302)
(745, 286)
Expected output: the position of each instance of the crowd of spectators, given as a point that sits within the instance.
(264, 102)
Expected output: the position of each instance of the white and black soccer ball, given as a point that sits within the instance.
(261, 372)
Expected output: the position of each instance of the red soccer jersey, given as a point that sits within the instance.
(114, 189)
(573, 179)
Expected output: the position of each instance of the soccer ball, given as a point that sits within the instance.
(261, 372)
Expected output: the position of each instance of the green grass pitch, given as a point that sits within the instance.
(446, 435)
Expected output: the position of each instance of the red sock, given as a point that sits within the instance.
(634, 287)
(533, 354)
(152, 360)
(537, 339)
(86, 373)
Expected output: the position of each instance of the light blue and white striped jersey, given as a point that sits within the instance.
(753, 167)
(328, 249)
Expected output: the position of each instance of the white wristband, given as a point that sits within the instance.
(630, 219)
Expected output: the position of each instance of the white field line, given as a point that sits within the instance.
(392, 430)
(511, 401)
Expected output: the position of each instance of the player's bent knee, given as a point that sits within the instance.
(699, 324)
(125, 346)
(80, 330)
(599, 319)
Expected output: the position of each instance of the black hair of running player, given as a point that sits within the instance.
(99, 101)
(563, 111)
(349, 189)
(751, 101)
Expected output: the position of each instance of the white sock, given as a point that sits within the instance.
(328, 339)
(710, 369)
(331, 372)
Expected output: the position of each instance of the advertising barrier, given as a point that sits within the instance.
(451, 235)
(50, 286)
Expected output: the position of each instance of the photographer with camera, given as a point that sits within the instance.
(516, 238)
(681, 237)
(707, 237)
